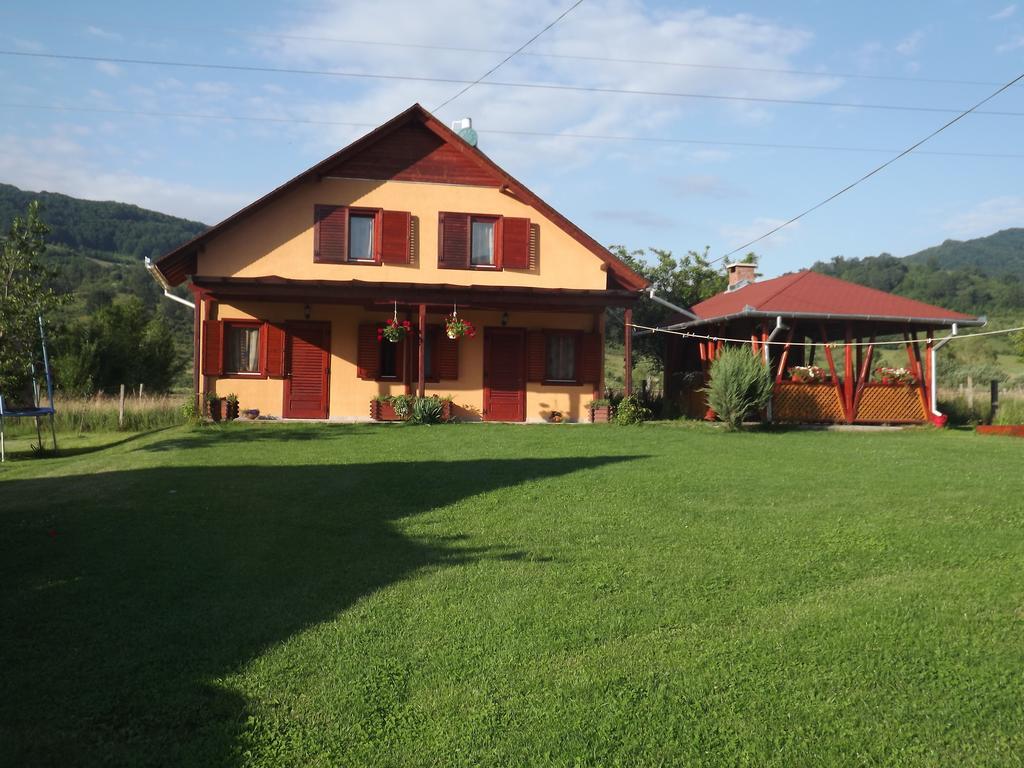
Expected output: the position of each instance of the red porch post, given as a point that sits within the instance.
(421, 343)
(628, 332)
(849, 374)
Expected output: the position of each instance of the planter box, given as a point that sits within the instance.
(601, 414)
(1011, 430)
(217, 409)
(381, 411)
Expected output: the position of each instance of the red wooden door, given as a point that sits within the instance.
(504, 374)
(308, 365)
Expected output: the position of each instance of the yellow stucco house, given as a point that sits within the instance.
(409, 222)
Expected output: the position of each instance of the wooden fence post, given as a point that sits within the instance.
(120, 409)
(970, 391)
(994, 388)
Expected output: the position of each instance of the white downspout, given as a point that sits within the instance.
(936, 417)
(767, 358)
(155, 274)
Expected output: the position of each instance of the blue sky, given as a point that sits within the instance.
(668, 195)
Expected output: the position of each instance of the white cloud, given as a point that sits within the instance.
(705, 185)
(58, 162)
(108, 68)
(736, 235)
(987, 217)
(911, 44)
(1017, 42)
(637, 218)
(692, 36)
(1005, 13)
(103, 34)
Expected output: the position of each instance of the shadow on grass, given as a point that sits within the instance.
(247, 433)
(127, 595)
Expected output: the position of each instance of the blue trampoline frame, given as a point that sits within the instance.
(36, 411)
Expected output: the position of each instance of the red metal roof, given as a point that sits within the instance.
(810, 292)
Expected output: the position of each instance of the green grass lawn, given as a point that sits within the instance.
(319, 595)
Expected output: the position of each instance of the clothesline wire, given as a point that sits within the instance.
(832, 344)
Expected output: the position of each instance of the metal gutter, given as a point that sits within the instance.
(756, 313)
(158, 276)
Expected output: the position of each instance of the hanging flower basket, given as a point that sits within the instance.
(455, 327)
(394, 330)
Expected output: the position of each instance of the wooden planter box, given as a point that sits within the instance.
(381, 411)
(601, 414)
(217, 409)
(1011, 430)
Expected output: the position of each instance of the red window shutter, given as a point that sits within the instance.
(590, 359)
(396, 229)
(447, 356)
(274, 335)
(515, 243)
(330, 234)
(368, 353)
(536, 354)
(213, 348)
(453, 240)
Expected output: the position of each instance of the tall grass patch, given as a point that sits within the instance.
(100, 414)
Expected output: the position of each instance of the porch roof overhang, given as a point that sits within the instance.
(882, 324)
(275, 288)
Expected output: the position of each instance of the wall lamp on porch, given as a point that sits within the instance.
(307, 311)
(504, 319)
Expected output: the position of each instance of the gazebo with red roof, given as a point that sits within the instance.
(801, 313)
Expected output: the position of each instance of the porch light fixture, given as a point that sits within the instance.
(504, 319)
(307, 311)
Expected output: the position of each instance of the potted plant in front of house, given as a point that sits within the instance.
(601, 411)
(391, 407)
(456, 327)
(230, 407)
(394, 330)
(214, 406)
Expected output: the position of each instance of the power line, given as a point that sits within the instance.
(504, 61)
(871, 173)
(533, 54)
(499, 131)
(536, 86)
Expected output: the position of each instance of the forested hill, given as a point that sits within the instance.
(981, 276)
(116, 309)
(995, 255)
(105, 230)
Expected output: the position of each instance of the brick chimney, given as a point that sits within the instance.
(741, 274)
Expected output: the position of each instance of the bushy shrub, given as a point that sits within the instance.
(427, 410)
(740, 384)
(631, 410)
(959, 413)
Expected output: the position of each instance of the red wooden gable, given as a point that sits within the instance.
(413, 152)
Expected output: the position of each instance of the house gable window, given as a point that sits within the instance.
(484, 241)
(361, 229)
(345, 235)
(482, 251)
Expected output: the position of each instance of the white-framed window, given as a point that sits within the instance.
(482, 242)
(361, 236)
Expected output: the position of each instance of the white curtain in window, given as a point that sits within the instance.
(360, 238)
(562, 357)
(483, 242)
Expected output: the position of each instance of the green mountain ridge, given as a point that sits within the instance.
(998, 254)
